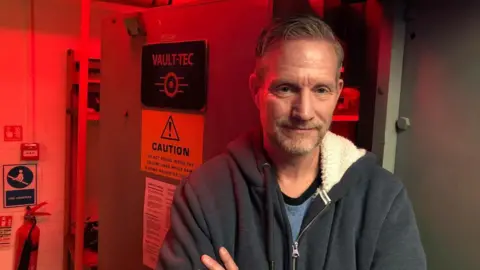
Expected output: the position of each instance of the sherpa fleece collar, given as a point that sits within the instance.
(337, 155)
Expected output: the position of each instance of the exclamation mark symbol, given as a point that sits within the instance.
(169, 129)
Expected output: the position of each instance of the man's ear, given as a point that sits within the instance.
(340, 84)
(254, 85)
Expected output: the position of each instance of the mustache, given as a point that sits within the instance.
(299, 124)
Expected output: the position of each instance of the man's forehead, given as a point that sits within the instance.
(302, 77)
(302, 50)
(300, 54)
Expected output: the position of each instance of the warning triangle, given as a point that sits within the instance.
(170, 131)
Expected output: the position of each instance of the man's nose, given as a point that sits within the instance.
(302, 106)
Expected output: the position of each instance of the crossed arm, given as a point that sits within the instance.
(188, 244)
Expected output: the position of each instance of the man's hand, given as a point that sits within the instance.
(227, 260)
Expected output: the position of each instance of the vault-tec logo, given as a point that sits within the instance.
(174, 75)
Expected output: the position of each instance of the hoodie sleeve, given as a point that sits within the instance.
(399, 246)
(188, 238)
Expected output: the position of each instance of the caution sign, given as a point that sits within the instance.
(172, 143)
(174, 75)
(19, 185)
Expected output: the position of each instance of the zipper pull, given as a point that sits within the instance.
(295, 253)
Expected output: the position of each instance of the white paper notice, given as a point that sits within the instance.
(156, 218)
(5, 231)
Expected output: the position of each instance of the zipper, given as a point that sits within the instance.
(295, 251)
(295, 254)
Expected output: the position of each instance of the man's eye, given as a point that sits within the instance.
(322, 90)
(284, 88)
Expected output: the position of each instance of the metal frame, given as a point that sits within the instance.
(389, 80)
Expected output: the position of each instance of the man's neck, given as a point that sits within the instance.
(294, 173)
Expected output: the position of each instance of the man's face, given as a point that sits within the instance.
(298, 94)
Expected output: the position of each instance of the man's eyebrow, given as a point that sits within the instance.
(293, 83)
(327, 85)
(283, 81)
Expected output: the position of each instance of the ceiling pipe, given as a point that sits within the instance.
(139, 3)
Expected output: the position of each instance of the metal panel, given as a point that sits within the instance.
(231, 35)
(389, 76)
(121, 185)
(437, 157)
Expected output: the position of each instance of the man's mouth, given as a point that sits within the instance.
(299, 129)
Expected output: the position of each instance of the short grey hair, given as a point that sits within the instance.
(296, 28)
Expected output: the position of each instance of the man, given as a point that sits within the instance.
(293, 195)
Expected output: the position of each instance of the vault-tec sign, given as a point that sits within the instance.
(174, 75)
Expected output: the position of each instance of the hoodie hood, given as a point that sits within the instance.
(338, 154)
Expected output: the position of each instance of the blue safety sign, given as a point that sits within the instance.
(19, 185)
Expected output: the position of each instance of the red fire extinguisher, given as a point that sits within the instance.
(28, 239)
